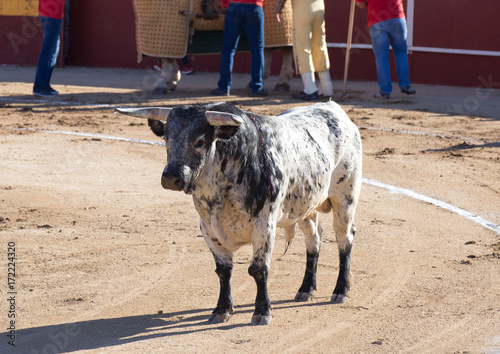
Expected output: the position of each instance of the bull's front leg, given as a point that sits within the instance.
(224, 267)
(262, 313)
(262, 242)
(312, 231)
(224, 308)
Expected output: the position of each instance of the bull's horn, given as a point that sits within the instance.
(155, 113)
(221, 118)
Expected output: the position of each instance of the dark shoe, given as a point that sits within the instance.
(261, 93)
(45, 92)
(382, 95)
(408, 90)
(53, 91)
(219, 92)
(305, 97)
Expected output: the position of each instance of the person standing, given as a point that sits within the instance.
(50, 14)
(309, 46)
(387, 24)
(246, 15)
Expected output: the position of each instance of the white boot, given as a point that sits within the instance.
(309, 84)
(325, 83)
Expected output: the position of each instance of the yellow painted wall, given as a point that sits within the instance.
(18, 7)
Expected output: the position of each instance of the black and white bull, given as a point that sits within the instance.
(249, 174)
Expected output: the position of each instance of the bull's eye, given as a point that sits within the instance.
(200, 143)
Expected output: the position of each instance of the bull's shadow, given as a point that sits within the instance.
(467, 146)
(83, 100)
(103, 101)
(103, 333)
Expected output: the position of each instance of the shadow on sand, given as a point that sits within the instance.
(111, 332)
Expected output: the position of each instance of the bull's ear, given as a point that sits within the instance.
(225, 131)
(157, 126)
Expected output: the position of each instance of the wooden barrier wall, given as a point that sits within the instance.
(449, 45)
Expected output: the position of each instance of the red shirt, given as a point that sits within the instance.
(225, 3)
(383, 10)
(51, 8)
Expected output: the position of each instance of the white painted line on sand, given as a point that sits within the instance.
(90, 135)
(409, 193)
(392, 189)
(409, 132)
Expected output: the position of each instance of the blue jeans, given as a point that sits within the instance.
(250, 18)
(50, 50)
(393, 31)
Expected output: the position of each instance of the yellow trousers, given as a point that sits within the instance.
(309, 38)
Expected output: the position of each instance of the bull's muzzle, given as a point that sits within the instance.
(172, 182)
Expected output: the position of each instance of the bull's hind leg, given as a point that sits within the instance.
(312, 231)
(344, 207)
(343, 286)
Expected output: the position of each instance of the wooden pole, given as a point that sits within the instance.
(349, 41)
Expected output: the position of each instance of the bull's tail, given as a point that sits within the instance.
(289, 235)
(287, 244)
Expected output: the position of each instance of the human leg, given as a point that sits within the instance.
(230, 38)
(398, 33)
(380, 43)
(319, 50)
(302, 29)
(310, 91)
(302, 32)
(186, 67)
(303, 59)
(254, 30)
(309, 82)
(319, 53)
(48, 55)
(325, 83)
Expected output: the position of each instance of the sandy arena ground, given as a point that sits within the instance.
(106, 260)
